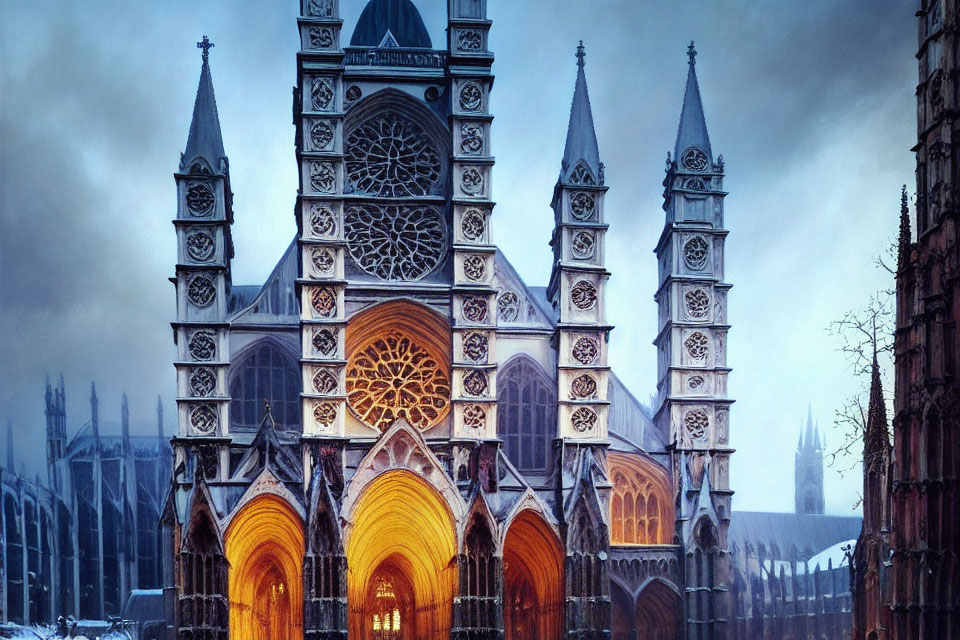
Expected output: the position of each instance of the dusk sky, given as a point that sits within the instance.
(811, 104)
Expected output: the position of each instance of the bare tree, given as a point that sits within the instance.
(859, 333)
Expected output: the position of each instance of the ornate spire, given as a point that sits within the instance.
(692, 131)
(904, 252)
(204, 140)
(877, 437)
(581, 149)
(94, 412)
(809, 436)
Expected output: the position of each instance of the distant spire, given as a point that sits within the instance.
(204, 140)
(904, 249)
(581, 144)
(692, 131)
(10, 460)
(809, 438)
(125, 422)
(877, 437)
(159, 418)
(94, 412)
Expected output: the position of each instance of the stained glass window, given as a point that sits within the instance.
(266, 373)
(527, 413)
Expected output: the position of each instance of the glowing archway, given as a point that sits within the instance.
(265, 546)
(641, 506)
(533, 579)
(402, 532)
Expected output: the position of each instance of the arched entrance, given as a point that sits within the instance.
(658, 612)
(533, 580)
(265, 546)
(401, 553)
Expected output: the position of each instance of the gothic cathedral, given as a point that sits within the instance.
(395, 436)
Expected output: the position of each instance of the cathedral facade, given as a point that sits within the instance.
(395, 436)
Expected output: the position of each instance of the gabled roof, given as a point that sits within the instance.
(630, 424)
(532, 306)
(809, 534)
(391, 23)
(276, 301)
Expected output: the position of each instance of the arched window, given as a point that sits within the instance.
(640, 504)
(527, 413)
(265, 373)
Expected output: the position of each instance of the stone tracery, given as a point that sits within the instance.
(389, 155)
(396, 242)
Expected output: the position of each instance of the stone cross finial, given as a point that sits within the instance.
(206, 45)
(692, 53)
(581, 54)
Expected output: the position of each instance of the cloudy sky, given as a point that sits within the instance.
(811, 104)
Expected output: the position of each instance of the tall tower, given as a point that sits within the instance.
(692, 362)
(204, 251)
(577, 291)
(808, 470)
(55, 401)
(925, 532)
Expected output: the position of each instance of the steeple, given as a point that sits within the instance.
(692, 131)
(877, 437)
(204, 140)
(809, 437)
(904, 248)
(94, 412)
(581, 149)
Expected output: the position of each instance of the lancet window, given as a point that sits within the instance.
(639, 505)
(527, 413)
(265, 374)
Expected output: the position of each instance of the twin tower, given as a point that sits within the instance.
(395, 436)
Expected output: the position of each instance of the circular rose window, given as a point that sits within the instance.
(392, 376)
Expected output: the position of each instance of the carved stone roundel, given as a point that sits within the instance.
(508, 307)
(325, 413)
(321, 94)
(696, 423)
(200, 199)
(471, 138)
(354, 93)
(471, 97)
(323, 260)
(325, 382)
(201, 291)
(694, 159)
(475, 309)
(583, 245)
(203, 419)
(583, 387)
(698, 303)
(475, 383)
(325, 342)
(584, 295)
(321, 135)
(586, 350)
(695, 253)
(469, 40)
(474, 268)
(474, 417)
(475, 347)
(696, 346)
(391, 156)
(321, 37)
(323, 177)
(203, 381)
(695, 382)
(202, 346)
(322, 221)
(471, 182)
(472, 225)
(584, 419)
(395, 242)
(395, 377)
(582, 206)
(200, 246)
(324, 302)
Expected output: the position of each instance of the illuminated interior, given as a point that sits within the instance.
(641, 509)
(401, 553)
(533, 580)
(398, 366)
(265, 546)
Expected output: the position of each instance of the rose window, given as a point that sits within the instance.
(694, 159)
(394, 377)
(698, 303)
(395, 242)
(391, 156)
(695, 253)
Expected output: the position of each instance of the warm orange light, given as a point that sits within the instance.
(401, 546)
(641, 508)
(533, 579)
(265, 546)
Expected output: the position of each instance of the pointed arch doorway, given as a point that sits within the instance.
(401, 553)
(265, 547)
(533, 579)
